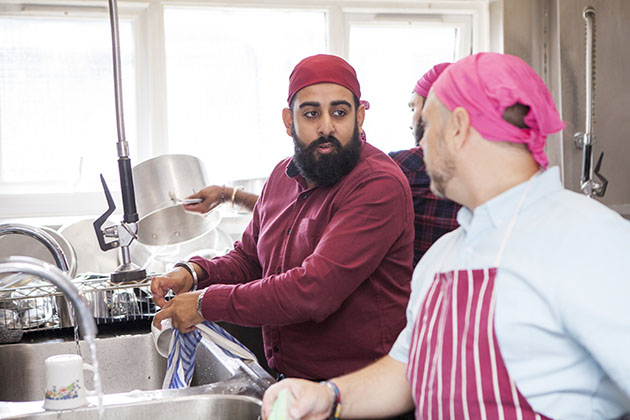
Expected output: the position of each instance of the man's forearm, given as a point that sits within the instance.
(234, 267)
(376, 391)
(241, 198)
(246, 200)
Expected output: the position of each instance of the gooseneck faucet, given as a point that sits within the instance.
(42, 236)
(63, 282)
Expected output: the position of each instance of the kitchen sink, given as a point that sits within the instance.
(131, 374)
(126, 362)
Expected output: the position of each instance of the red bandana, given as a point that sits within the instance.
(323, 68)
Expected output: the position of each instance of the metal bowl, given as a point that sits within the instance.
(111, 304)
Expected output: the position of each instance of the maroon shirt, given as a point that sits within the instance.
(325, 271)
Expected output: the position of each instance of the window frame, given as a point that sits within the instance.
(150, 73)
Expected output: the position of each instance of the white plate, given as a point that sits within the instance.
(90, 257)
(18, 244)
(160, 259)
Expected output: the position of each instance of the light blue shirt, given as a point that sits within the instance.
(562, 315)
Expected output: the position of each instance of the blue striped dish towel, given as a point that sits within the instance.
(183, 346)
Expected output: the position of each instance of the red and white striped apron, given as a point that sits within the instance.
(455, 366)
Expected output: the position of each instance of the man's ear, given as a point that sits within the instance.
(460, 127)
(360, 117)
(287, 118)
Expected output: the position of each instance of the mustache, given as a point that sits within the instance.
(323, 140)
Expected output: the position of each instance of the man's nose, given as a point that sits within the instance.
(326, 126)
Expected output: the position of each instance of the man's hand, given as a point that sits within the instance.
(380, 390)
(182, 310)
(178, 280)
(212, 196)
(313, 401)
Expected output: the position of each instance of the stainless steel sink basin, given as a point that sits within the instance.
(191, 407)
(132, 373)
(126, 363)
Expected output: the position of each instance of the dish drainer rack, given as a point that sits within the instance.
(38, 305)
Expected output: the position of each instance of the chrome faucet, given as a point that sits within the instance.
(42, 236)
(57, 277)
(63, 282)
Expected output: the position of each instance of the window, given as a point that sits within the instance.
(388, 75)
(206, 79)
(57, 115)
(227, 72)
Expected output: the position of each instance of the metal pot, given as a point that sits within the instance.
(160, 183)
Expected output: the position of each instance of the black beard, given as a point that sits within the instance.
(326, 170)
(418, 132)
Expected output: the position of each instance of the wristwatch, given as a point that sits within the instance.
(189, 267)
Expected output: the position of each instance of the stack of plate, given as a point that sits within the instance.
(160, 259)
(89, 256)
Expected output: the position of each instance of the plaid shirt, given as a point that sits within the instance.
(433, 216)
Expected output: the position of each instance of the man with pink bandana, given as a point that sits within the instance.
(507, 319)
(434, 216)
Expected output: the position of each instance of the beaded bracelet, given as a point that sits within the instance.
(335, 410)
(223, 194)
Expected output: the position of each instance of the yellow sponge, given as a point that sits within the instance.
(280, 408)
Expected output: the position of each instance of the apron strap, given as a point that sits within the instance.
(508, 232)
(510, 227)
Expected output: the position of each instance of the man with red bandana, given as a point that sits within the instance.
(434, 216)
(325, 264)
(509, 317)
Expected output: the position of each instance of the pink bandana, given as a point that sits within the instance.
(485, 84)
(424, 84)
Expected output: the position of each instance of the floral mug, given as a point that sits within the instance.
(65, 385)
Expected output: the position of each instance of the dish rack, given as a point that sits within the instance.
(37, 305)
